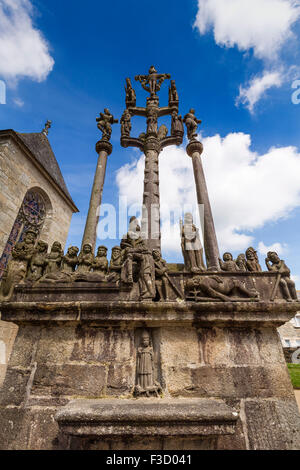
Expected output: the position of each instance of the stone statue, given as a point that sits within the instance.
(191, 246)
(130, 94)
(162, 132)
(275, 264)
(116, 264)
(54, 260)
(28, 245)
(126, 123)
(85, 259)
(105, 122)
(217, 287)
(153, 81)
(241, 262)
(138, 265)
(152, 121)
(252, 260)
(70, 260)
(173, 94)
(146, 384)
(161, 276)
(15, 271)
(228, 264)
(177, 124)
(38, 262)
(191, 123)
(100, 263)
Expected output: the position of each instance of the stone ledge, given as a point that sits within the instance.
(135, 314)
(147, 417)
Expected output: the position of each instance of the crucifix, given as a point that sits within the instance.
(152, 142)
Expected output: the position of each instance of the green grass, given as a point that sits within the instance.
(294, 370)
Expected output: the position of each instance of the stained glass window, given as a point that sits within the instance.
(31, 215)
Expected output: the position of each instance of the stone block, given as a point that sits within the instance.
(120, 379)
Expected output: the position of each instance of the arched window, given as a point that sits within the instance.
(31, 215)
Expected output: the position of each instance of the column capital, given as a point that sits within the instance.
(193, 147)
(104, 146)
(152, 143)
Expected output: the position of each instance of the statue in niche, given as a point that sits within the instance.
(15, 271)
(173, 94)
(105, 122)
(130, 94)
(219, 288)
(54, 259)
(252, 260)
(191, 246)
(162, 132)
(177, 125)
(275, 264)
(126, 124)
(116, 264)
(100, 263)
(191, 123)
(241, 262)
(85, 259)
(228, 264)
(70, 260)
(146, 384)
(138, 262)
(161, 276)
(38, 262)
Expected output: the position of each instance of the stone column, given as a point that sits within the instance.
(90, 232)
(194, 150)
(151, 198)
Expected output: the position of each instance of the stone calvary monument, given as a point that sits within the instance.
(127, 354)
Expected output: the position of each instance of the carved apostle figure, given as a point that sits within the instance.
(191, 245)
(15, 271)
(275, 264)
(54, 259)
(126, 123)
(38, 262)
(241, 262)
(177, 124)
(252, 260)
(85, 259)
(161, 276)
(105, 122)
(146, 384)
(116, 264)
(191, 123)
(228, 264)
(130, 94)
(138, 265)
(70, 260)
(173, 94)
(152, 121)
(100, 263)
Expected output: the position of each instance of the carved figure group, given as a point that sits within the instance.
(153, 81)
(105, 122)
(248, 262)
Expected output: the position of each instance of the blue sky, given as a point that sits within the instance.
(235, 65)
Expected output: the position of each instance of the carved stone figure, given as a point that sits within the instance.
(85, 259)
(105, 122)
(38, 262)
(138, 265)
(275, 264)
(116, 264)
(191, 123)
(15, 271)
(241, 262)
(162, 132)
(70, 260)
(130, 94)
(153, 81)
(177, 124)
(173, 94)
(161, 276)
(54, 259)
(228, 264)
(191, 246)
(252, 260)
(126, 123)
(100, 263)
(217, 287)
(28, 245)
(146, 384)
(152, 121)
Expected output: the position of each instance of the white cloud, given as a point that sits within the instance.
(258, 87)
(23, 50)
(18, 102)
(279, 248)
(261, 25)
(246, 190)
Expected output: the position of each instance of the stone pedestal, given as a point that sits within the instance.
(224, 353)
